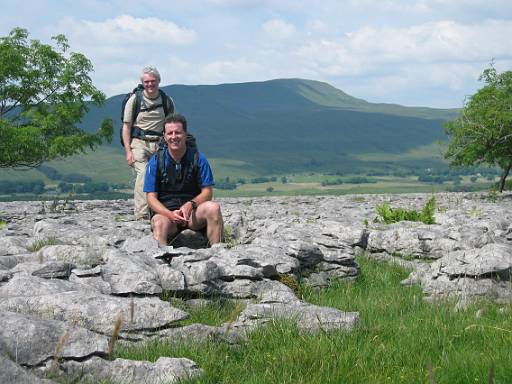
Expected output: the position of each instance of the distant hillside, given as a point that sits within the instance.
(294, 125)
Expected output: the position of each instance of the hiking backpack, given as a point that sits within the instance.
(167, 104)
(162, 174)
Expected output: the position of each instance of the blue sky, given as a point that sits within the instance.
(424, 52)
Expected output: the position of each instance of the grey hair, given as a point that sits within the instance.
(152, 71)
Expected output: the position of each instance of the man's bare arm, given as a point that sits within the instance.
(127, 139)
(206, 194)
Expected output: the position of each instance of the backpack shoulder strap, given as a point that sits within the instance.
(195, 167)
(161, 173)
(139, 97)
(167, 103)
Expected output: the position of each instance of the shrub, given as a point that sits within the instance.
(392, 215)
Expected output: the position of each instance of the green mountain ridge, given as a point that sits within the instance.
(287, 125)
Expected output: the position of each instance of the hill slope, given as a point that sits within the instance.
(294, 125)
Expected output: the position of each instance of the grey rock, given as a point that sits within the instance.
(271, 291)
(96, 271)
(141, 244)
(83, 257)
(130, 273)
(97, 312)
(318, 280)
(308, 317)
(466, 289)
(26, 268)
(199, 333)
(27, 286)
(12, 261)
(170, 279)
(492, 260)
(31, 341)
(10, 372)
(164, 370)
(12, 245)
(190, 239)
(54, 270)
(95, 283)
(5, 275)
(239, 289)
(201, 276)
(266, 254)
(337, 271)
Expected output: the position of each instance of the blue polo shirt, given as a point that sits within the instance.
(205, 170)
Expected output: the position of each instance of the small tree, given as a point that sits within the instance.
(44, 93)
(483, 131)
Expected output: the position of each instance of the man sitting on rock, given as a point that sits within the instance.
(179, 186)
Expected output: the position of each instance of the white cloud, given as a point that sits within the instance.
(372, 50)
(126, 29)
(407, 6)
(278, 29)
(120, 47)
(227, 70)
(443, 40)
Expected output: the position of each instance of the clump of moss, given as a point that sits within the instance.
(291, 282)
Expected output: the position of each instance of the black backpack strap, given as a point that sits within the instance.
(167, 103)
(161, 173)
(139, 97)
(194, 169)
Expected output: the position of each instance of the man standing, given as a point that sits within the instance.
(179, 185)
(144, 114)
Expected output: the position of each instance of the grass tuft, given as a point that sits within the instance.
(229, 237)
(38, 244)
(115, 333)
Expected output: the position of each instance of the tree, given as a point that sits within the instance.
(482, 133)
(44, 93)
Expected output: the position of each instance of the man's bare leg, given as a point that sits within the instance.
(208, 214)
(162, 228)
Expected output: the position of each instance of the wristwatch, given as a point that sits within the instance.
(194, 204)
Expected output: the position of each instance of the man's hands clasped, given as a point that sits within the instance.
(183, 215)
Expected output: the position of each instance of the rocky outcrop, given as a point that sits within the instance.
(72, 277)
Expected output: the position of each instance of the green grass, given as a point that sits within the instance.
(314, 188)
(431, 151)
(215, 312)
(38, 244)
(400, 339)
